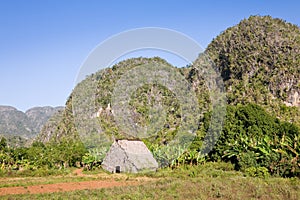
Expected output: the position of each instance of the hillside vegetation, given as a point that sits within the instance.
(259, 60)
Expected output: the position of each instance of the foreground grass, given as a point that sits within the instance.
(24, 182)
(34, 173)
(210, 181)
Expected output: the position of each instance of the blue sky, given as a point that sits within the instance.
(44, 43)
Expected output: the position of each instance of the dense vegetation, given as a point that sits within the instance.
(255, 141)
(259, 62)
(40, 156)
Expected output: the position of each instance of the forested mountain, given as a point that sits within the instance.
(259, 60)
(18, 126)
(89, 105)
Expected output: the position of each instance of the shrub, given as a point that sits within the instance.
(261, 172)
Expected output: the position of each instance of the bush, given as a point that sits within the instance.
(260, 172)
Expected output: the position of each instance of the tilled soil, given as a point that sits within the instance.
(64, 187)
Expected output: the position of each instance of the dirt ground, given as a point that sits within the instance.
(64, 187)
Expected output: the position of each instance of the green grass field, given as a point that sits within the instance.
(208, 181)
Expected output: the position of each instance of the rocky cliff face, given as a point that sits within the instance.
(293, 99)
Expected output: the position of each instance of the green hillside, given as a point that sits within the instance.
(94, 94)
(260, 63)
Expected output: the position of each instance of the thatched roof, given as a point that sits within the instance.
(129, 156)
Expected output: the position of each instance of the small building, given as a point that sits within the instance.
(129, 156)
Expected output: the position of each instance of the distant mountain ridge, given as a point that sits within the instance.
(24, 125)
(40, 115)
